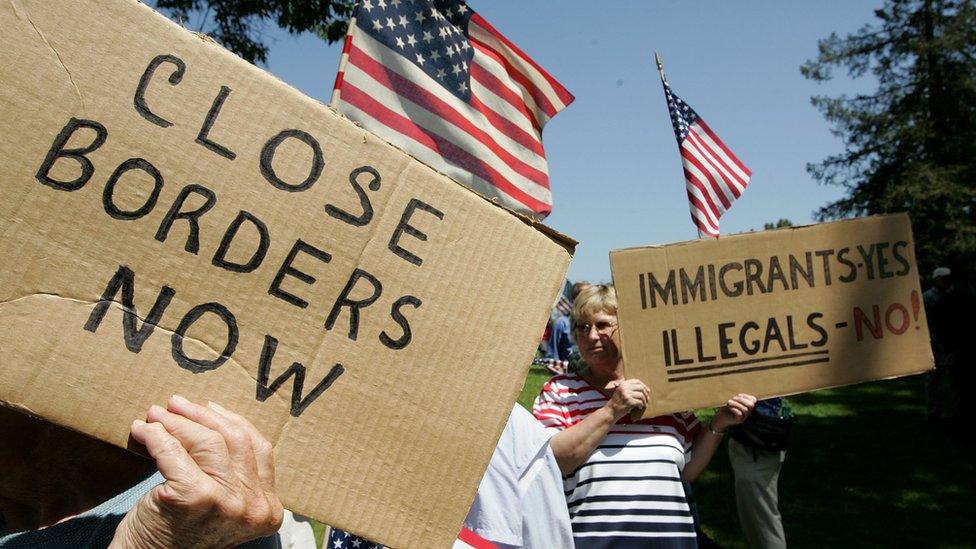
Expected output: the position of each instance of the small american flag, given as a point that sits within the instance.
(435, 79)
(714, 177)
(564, 303)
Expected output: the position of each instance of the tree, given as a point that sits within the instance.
(239, 24)
(780, 223)
(911, 145)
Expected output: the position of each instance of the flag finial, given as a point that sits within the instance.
(660, 65)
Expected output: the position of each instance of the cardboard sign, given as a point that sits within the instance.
(175, 220)
(772, 313)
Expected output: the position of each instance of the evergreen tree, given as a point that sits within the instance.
(239, 24)
(911, 145)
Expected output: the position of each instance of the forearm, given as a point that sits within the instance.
(573, 446)
(703, 448)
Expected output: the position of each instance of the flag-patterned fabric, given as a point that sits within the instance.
(435, 79)
(339, 539)
(714, 176)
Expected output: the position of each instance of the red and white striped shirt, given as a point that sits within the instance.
(629, 491)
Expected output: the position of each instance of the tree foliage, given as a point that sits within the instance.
(780, 223)
(911, 145)
(239, 24)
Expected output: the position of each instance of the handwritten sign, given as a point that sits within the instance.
(176, 220)
(772, 313)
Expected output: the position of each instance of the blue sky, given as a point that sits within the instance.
(614, 166)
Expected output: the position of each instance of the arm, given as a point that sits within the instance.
(709, 437)
(220, 481)
(574, 445)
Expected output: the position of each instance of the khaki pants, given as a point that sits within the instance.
(756, 495)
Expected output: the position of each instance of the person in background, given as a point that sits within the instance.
(562, 346)
(520, 499)
(623, 477)
(946, 308)
(756, 462)
(212, 484)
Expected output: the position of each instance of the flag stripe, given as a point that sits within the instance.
(705, 202)
(517, 70)
(705, 175)
(562, 96)
(697, 188)
(746, 173)
(435, 106)
(715, 159)
(450, 152)
(485, 77)
(699, 216)
(505, 72)
(505, 125)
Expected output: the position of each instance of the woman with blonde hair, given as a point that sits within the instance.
(623, 478)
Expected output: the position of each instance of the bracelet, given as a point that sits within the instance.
(712, 430)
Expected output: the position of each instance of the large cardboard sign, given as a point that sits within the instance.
(175, 220)
(772, 313)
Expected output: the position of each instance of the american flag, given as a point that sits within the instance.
(339, 539)
(714, 176)
(435, 79)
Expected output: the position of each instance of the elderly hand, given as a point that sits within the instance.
(735, 411)
(627, 395)
(220, 480)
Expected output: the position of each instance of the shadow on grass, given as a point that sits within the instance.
(864, 467)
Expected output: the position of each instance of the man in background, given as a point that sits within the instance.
(561, 344)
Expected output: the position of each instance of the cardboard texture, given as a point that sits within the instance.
(772, 313)
(374, 319)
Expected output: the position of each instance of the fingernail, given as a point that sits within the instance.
(179, 399)
(138, 423)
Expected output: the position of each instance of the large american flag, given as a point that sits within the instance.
(714, 176)
(437, 80)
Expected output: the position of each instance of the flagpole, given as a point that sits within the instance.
(660, 71)
(343, 59)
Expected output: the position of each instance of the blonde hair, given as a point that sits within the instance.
(592, 300)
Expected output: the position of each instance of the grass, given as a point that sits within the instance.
(864, 468)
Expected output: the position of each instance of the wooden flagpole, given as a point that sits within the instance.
(660, 71)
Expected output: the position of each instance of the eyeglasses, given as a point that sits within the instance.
(603, 327)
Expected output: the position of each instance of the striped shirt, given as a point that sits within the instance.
(628, 493)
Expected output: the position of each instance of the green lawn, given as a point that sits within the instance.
(864, 468)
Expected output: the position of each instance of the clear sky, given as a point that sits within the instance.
(614, 166)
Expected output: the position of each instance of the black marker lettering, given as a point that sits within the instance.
(398, 317)
(367, 215)
(287, 270)
(220, 258)
(267, 160)
(297, 369)
(203, 137)
(58, 150)
(198, 365)
(139, 99)
(405, 227)
(108, 194)
(124, 279)
(191, 216)
(354, 304)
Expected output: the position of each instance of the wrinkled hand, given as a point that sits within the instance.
(220, 480)
(735, 411)
(627, 395)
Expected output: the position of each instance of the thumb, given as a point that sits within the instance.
(612, 386)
